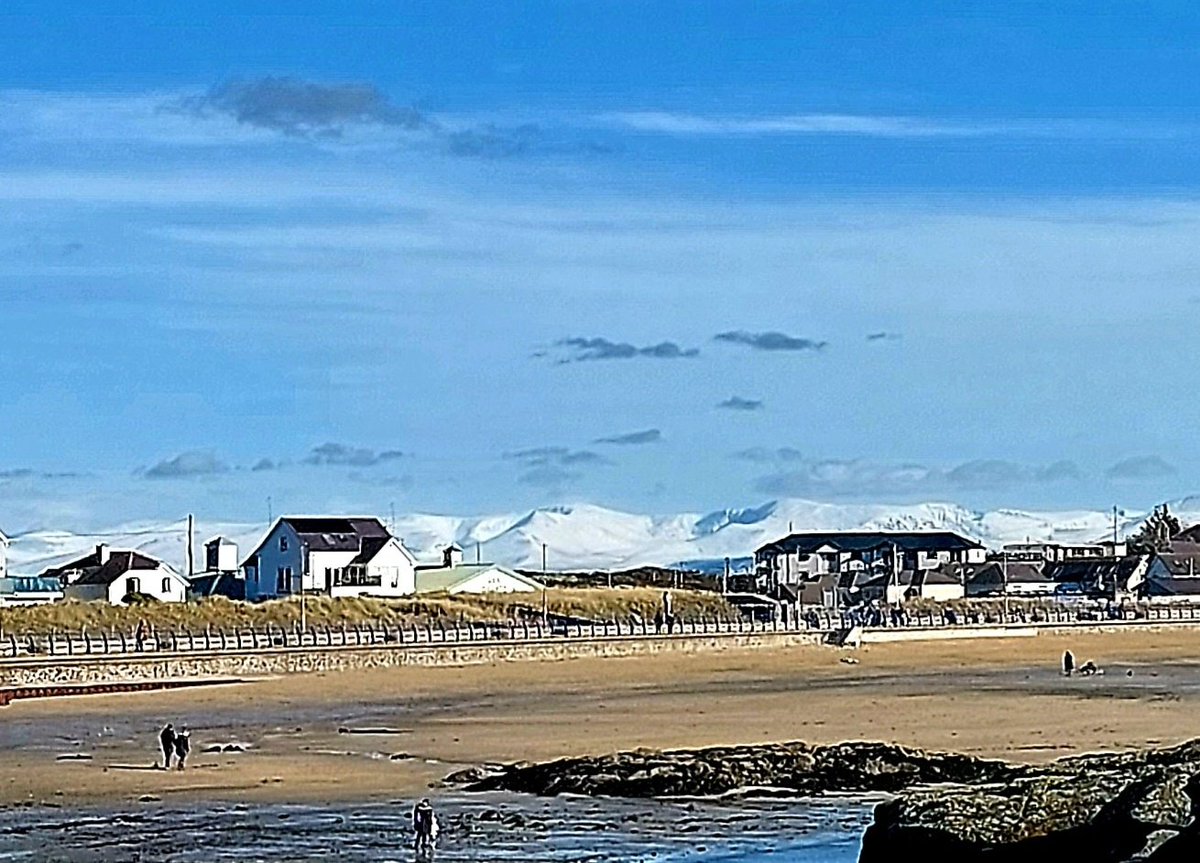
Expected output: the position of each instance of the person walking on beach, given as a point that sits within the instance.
(166, 740)
(139, 635)
(1068, 663)
(183, 745)
(424, 824)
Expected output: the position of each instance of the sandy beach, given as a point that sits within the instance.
(378, 735)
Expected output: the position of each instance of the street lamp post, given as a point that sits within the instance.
(545, 615)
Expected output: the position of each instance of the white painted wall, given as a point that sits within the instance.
(394, 565)
(493, 581)
(163, 583)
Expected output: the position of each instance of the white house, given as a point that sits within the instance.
(383, 567)
(113, 575)
(454, 577)
(305, 552)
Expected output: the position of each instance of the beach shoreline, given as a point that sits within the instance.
(383, 734)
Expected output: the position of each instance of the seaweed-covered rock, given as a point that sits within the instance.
(795, 767)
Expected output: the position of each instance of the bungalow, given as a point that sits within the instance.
(29, 590)
(328, 554)
(454, 577)
(804, 556)
(1173, 576)
(116, 575)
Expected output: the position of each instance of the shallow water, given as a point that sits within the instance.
(484, 828)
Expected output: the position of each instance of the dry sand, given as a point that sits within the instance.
(999, 697)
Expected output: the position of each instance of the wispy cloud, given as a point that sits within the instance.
(737, 403)
(883, 336)
(351, 456)
(1141, 467)
(548, 476)
(884, 126)
(769, 341)
(860, 477)
(556, 455)
(598, 348)
(195, 463)
(766, 455)
(637, 438)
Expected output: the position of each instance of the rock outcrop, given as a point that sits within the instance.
(1102, 807)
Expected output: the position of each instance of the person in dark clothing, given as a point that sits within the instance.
(183, 745)
(166, 739)
(1068, 663)
(139, 635)
(424, 824)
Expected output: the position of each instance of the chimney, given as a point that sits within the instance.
(452, 556)
(102, 553)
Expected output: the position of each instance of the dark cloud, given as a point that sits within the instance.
(548, 476)
(1141, 467)
(16, 473)
(266, 464)
(883, 337)
(305, 108)
(598, 348)
(769, 341)
(765, 455)
(556, 455)
(737, 403)
(311, 109)
(194, 463)
(632, 438)
(340, 454)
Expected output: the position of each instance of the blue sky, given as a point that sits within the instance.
(657, 256)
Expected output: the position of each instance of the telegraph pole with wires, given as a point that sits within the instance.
(545, 616)
(303, 572)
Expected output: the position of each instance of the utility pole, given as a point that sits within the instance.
(270, 511)
(191, 548)
(1114, 529)
(725, 578)
(303, 572)
(391, 518)
(545, 617)
(1004, 571)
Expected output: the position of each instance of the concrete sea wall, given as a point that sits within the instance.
(196, 665)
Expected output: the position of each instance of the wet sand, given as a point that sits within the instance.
(998, 697)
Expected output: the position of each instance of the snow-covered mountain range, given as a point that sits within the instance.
(591, 537)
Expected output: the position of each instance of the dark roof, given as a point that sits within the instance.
(335, 534)
(1018, 572)
(1172, 587)
(327, 533)
(370, 548)
(1084, 571)
(807, 543)
(93, 572)
(1181, 564)
(219, 584)
(935, 576)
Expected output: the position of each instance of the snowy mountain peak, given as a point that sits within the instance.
(586, 536)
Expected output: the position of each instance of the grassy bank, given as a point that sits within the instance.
(217, 613)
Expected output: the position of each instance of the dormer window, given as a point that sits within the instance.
(283, 544)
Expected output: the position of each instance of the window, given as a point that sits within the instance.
(133, 584)
(166, 586)
(283, 580)
(283, 545)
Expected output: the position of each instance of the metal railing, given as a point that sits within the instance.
(85, 643)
